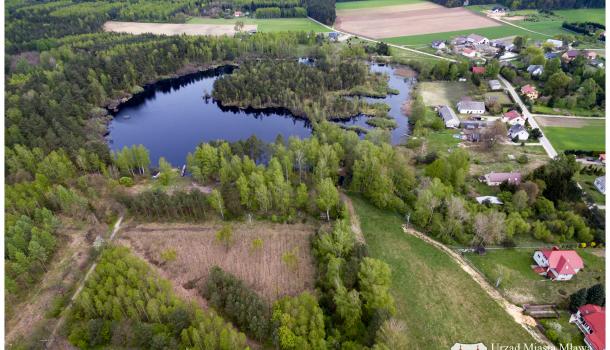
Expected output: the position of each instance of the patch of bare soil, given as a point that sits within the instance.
(562, 122)
(197, 250)
(527, 322)
(174, 28)
(353, 218)
(413, 19)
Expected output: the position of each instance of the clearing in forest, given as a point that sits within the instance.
(411, 19)
(184, 253)
(173, 28)
(431, 291)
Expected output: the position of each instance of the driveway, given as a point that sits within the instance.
(544, 141)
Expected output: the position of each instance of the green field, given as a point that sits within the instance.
(522, 285)
(439, 302)
(502, 31)
(587, 138)
(267, 25)
(351, 5)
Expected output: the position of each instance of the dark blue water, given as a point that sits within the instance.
(171, 118)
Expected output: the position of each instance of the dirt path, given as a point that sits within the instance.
(51, 343)
(528, 323)
(353, 218)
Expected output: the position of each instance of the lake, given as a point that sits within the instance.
(172, 117)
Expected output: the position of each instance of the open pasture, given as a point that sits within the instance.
(196, 250)
(431, 291)
(265, 25)
(410, 19)
(574, 133)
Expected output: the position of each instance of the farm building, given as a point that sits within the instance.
(513, 118)
(495, 179)
(449, 117)
(495, 85)
(478, 70)
(518, 132)
(529, 91)
(489, 199)
(438, 44)
(535, 70)
(591, 320)
(477, 39)
(556, 264)
(557, 44)
(471, 107)
(600, 184)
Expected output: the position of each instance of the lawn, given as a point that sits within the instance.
(502, 31)
(352, 5)
(590, 137)
(439, 302)
(267, 25)
(444, 92)
(521, 285)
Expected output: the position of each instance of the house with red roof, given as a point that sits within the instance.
(591, 320)
(478, 70)
(470, 53)
(513, 117)
(529, 91)
(558, 265)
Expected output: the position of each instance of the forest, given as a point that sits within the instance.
(529, 4)
(313, 91)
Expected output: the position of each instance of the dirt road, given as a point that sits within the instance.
(353, 218)
(527, 322)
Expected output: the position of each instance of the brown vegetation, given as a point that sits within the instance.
(197, 249)
(424, 18)
(173, 28)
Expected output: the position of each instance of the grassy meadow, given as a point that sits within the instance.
(433, 293)
(587, 138)
(521, 285)
(267, 25)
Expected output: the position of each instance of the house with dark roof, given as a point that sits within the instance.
(550, 55)
(570, 55)
(591, 320)
(558, 265)
(535, 70)
(518, 132)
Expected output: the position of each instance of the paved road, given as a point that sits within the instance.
(530, 118)
(391, 45)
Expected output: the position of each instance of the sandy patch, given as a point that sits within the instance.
(404, 20)
(197, 251)
(174, 28)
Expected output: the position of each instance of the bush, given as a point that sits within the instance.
(126, 181)
(523, 159)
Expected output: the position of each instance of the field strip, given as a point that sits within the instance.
(567, 116)
(353, 218)
(391, 45)
(527, 322)
(522, 28)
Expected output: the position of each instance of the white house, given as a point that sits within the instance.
(477, 39)
(471, 107)
(558, 265)
(438, 44)
(518, 132)
(600, 184)
(591, 320)
(513, 118)
(449, 117)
